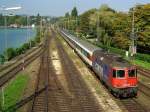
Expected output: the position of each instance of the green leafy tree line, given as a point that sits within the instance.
(109, 27)
(20, 19)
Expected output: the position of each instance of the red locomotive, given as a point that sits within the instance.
(116, 73)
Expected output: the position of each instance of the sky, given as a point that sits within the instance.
(60, 7)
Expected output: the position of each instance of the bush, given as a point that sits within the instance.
(9, 53)
(32, 43)
(2, 59)
(37, 39)
(143, 57)
(25, 46)
(117, 51)
(19, 51)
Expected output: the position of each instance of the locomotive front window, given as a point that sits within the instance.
(120, 73)
(114, 73)
(132, 73)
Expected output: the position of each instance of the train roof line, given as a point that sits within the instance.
(83, 44)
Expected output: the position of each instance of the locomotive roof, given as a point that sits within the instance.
(84, 44)
(112, 59)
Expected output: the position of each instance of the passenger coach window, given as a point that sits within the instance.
(132, 73)
(120, 73)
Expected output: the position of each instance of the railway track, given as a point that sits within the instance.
(129, 104)
(14, 70)
(19, 58)
(143, 71)
(76, 97)
(132, 105)
(82, 99)
(144, 89)
(55, 97)
(40, 101)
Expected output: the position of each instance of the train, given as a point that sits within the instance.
(119, 76)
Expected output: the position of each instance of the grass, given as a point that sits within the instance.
(14, 90)
(141, 63)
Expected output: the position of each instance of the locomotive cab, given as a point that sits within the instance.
(124, 81)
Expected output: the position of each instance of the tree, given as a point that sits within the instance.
(1, 20)
(67, 15)
(19, 51)
(25, 46)
(74, 12)
(38, 19)
(142, 24)
(102, 21)
(85, 27)
(112, 27)
(2, 59)
(105, 7)
(121, 41)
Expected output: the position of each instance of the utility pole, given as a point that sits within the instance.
(97, 27)
(6, 45)
(40, 28)
(133, 47)
(28, 30)
(68, 23)
(76, 26)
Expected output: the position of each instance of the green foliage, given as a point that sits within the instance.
(142, 20)
(113, 29)
(33, 43)
(25, 46)
(37, 39)
(9, 53)
(85, 27)
(2, 59)
(105, 7)
(138, 57)
(120, 41)
(143, 57)
(38, 19)
(19, 51)
(102, 21)
(1, 20)
(74, 12)
(141, 63)
(112, 49)
(19, 20)
(67, 15)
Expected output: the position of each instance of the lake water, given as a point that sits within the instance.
(15, 37)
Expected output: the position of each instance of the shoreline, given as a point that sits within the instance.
(10, 41)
